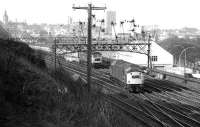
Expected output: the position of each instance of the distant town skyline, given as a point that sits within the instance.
(164, 13)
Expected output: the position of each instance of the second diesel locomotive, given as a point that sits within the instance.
(96, 58)
(129, 75)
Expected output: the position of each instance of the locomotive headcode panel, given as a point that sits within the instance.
(96, 57)
(135, 77)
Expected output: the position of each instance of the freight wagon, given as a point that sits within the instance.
(128, 75)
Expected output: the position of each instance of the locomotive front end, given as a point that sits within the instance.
(135, 79)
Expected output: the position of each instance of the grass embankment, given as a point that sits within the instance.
(32, 96)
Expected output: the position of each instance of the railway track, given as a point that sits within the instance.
(181, 102)
(139, 114)
(177, 106)
(170, 112)
(150, 85)
(182, 94)
(181, 118)
(106, 77)
(118, 101)
(155, 109)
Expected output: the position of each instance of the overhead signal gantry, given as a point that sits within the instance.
(75, 44)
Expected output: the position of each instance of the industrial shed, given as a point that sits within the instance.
(159, 56)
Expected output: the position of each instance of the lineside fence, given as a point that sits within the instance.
(179, 79)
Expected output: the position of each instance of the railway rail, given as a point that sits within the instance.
(143, 117)
(181, 118)
(158, 110)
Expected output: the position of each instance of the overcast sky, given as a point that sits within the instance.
(165, 13)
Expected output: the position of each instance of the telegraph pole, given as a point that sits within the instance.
(55, 56)
(89, 39)
(148, 52)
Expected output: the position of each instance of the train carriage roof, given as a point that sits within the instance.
(128, 67)
(93, 53)
(96, 53)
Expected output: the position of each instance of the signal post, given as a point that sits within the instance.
(89, 39)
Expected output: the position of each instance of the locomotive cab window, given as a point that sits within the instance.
(98, 59)
(154, 58)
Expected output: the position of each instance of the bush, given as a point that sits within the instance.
(24, 88)
(19, 49)
(31, 96)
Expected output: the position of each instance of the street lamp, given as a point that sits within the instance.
(184, 50)
(173, 49)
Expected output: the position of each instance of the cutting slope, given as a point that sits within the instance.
(3, 33)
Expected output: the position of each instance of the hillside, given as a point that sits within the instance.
(32, 96)
(175, 45)
(3, 33)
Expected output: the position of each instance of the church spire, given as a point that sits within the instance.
(5, 17)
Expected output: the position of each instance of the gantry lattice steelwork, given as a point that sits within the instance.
(80, 45)
(77, 44)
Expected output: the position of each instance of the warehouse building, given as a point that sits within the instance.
(160, 57)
